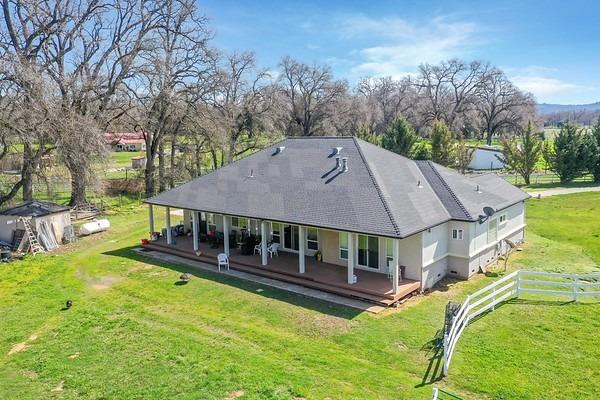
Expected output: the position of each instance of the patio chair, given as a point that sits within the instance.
(273, 249)
(258, 248)
(222, 261)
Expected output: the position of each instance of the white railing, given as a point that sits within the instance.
(514, 284)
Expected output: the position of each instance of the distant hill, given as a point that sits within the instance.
(547, 108)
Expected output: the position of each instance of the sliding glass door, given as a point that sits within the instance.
(291, 237)
(368, 251)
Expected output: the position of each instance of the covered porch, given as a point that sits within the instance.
(296, 267)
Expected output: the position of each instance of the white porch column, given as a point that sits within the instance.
(195, 229)
(264, 237)
(151, 218)
(301, 249)
(168, 224)
(396, 265)
(226, 230)
(351, 251)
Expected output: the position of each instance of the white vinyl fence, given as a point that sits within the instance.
(574, 286)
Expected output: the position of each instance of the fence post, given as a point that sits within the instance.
(575, 286)
(518, 284)
(493, 298)
(445, 366)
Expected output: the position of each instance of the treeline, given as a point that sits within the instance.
(70, 71)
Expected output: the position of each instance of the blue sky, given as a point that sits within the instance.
(549, 48)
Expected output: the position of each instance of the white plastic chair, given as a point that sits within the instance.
(258, 248)
(273, 249)
(223, 261)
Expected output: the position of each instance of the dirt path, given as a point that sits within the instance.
(559, 191)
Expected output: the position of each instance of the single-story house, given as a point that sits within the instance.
(348, 216)
(125, 141)
(56, 216)
(486, 158)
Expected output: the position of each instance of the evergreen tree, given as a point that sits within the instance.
(464, 154)
(595, 164)
(421, 151)
(442, 144)
(363, 132)
(568, 156)
(400, 137)
(521, 156)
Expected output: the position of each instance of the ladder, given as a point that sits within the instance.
(34, 245)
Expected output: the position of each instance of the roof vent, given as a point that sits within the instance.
(251, 173)
(279, 150)
(419, 185)
(336, 150)
(344, 164)
(338, 162)
(477, 190)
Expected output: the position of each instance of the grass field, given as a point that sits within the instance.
(134, 333)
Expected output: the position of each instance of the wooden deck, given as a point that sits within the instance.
(371, 286)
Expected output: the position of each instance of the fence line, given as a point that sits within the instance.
(513, 285)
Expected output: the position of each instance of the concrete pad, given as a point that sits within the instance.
(289, 287)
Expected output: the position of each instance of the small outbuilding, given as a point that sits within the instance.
(57, 218)
(486, 158)
(138, 162)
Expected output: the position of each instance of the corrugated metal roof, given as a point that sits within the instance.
(34, 209)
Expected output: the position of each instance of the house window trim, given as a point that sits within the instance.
(502, 220)
(312, 241)
(213, 216)
(458, 234)
(340, 248)
(356, 250)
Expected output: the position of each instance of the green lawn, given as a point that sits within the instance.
(133, 333)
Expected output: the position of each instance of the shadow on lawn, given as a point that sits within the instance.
(321, 306)
(435, 351)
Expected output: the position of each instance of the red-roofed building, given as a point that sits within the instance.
(125, 141)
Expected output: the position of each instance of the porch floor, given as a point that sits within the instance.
(372, 286)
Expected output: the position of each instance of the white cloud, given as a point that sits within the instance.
(542, 87)
(402, 45)
(544, 84)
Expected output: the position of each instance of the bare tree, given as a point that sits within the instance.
(242, 106)
(386, 98)
(24, 31)
(173, 76)
(501, 105)
(448, 91)
(90, 58)
(311, 94)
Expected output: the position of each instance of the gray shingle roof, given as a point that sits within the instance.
(34, 208)
(379, 194)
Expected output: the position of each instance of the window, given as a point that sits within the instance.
(389, 250)
(457, 234)
(312, 239)
(210, 222)
(239, 222)
(344, 245)
(502, 219)
(368, 251)
(276, 232)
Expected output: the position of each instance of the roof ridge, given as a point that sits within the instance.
(450, 191)
(377, 187)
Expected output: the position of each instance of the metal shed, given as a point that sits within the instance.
(56, 216)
